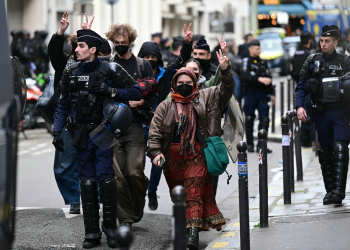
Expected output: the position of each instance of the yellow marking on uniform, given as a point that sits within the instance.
(220, 244)
(306, 149)
(230, 234)
(252, 208)
(272, 188)
(236, 224)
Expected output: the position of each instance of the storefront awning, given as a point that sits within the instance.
(296, 8)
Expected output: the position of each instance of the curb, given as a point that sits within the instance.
(230, 237)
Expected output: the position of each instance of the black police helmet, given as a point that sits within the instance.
(15, 33)
(118, 116)
(344, 89)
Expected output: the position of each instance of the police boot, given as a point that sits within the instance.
(108, 196)
(325, 157)
(249, 124)
(91, 216)
(340, 171)
(264, 124)
(193, 238)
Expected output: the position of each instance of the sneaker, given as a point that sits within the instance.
(74, 209)
(152, 201)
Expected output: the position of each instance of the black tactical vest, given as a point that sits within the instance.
(298, 61)
(322, 70)
(86, 106)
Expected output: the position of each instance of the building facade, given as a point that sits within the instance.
(210, 18)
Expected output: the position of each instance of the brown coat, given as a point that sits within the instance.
(209, 104)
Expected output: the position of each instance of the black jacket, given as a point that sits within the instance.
(164, 76)
(252, 69)
(57, 57)
(298, 60)
(210, 71)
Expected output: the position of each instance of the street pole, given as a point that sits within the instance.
(254, 15)
(179, 196)
(243, 195)
(112, 14)
(263, 189)
(286, 163)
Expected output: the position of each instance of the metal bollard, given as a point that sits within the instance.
(286, 163)
(243, 195)
(124, 238)
(263, 190)
(179, 196)
(273, 112)
(288, 93)
(298, 159)
(291, 115)
(282, 97)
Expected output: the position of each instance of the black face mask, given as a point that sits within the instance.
(197, 75)
(184, 89)
(122, 49)
(154, 64)
(204, 63)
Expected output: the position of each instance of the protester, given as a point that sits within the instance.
(173, 143)
(151, 52)
(128, 158)
(65, 167)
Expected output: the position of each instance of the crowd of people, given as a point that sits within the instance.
(31, 52)
(165, 102)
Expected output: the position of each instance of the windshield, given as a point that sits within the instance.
(271, 45)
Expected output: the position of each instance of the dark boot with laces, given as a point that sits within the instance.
(193, 238)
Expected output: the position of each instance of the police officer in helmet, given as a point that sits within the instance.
(321, 75)
(257, 82)
(85, 85)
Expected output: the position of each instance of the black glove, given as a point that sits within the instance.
(101, 88)
(58, 141)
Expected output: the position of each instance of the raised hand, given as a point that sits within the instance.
(87, 25)
(188, 35)
(223, 60)
(63, 24)
(223, 46)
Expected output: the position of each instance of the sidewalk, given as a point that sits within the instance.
(305, 224)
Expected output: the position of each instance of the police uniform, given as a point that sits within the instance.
(257, 94)
(85, 85)
(319, 77)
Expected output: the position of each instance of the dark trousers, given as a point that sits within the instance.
(255, 100)
(332, 126)
(128, 166)
(93, 162)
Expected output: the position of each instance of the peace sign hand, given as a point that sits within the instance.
(188, 35)
(223, 46)
(87, 25)
(63, 24)
(223, 60)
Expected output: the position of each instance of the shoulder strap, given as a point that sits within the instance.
(104, 67)
(139, 62)
(201, 140)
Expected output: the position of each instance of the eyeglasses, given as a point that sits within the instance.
(122, 43)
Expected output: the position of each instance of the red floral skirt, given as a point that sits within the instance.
(192, 174)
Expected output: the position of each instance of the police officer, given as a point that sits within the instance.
(319, 77)
(85, 85)
(201, 52)
(257, 81)
(307, 128)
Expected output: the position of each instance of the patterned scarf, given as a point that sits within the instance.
(185, 114)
